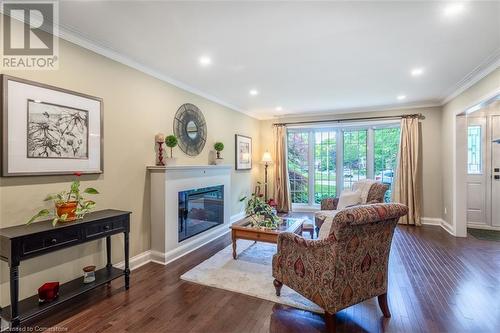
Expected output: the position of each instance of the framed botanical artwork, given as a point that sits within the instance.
(243, 153)
(49, 130)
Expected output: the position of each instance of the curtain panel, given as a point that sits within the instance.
(281, 183)
(407, 186)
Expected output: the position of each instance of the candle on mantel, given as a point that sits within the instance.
(160, 137)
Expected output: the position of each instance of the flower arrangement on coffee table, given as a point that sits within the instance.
(68, 205)
(262, 215)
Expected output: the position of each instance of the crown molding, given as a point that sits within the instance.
(381, 108)
(488, 66)
(77, 38)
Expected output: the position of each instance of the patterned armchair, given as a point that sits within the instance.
(376, 194)
(347, 267)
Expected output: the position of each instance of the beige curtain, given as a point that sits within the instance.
(407, 186)
(281, 183)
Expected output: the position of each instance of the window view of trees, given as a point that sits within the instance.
(321, 163)
(325, 160)
(298, 166)
(354, 157)
(385, 156)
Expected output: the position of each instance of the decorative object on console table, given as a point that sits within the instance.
(160, 140)
(69, 205)
(267, 160)
(88, 274)
(219, 146)
(48, 292)
(50, 130)
(243, 153)
(191, 129)
(171, 142)
(25, 242)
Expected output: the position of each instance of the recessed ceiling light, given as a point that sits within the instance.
(417, 71)
(205, 61)
(453, 9)
(279, 108)
(401, 97)
(253, 92)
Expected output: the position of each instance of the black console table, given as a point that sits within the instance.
(27, 241)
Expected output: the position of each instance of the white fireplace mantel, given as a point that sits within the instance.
(166, 183)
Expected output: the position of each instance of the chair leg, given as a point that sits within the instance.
(331, 326)
(277, 286)
(384, 306)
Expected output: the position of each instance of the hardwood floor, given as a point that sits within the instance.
(437, 283)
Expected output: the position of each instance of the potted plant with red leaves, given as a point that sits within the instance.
(68, 205)
(261, 215)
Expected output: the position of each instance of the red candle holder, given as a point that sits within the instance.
(48, 292)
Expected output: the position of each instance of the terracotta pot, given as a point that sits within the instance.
(69, 208)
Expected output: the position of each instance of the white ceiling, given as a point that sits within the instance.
(307, 57)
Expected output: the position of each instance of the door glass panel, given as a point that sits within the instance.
(354, 156)
(386, 144)
(325, 160)
(474, 157)
(298, 166)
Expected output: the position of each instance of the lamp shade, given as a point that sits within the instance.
(266, 158)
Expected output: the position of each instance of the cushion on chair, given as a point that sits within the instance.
(349, 198)
(324, 231)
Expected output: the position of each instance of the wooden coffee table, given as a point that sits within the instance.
(244, 230)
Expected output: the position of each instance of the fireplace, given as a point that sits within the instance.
(200, 210)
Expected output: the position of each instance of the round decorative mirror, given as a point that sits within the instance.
(190, 129)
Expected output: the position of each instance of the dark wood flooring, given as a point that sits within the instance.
(437, 283)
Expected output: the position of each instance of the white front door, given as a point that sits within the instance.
(477, 171)
(495, 172)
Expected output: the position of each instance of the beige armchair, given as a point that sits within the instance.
(376, 194)
(347, 267)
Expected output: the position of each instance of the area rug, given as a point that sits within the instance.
(250, 274)
(489, 235)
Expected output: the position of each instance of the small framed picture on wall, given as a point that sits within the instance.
(243, 153)
(49, 130)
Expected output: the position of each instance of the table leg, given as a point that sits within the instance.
(108, 252)
(14, 295)
(127, 269)
(234, 246)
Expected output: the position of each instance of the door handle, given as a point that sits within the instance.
(497, 177)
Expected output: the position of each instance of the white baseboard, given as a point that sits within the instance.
(438, 222)
(136, 261)
(165, 258)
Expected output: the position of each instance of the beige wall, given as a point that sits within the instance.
(431, 152)
(136, 107)
(459, 104)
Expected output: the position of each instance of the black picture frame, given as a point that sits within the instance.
(243, 152)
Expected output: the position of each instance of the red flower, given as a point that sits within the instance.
(78, 174)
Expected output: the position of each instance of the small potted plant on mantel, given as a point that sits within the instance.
(171, 142)
(68, 205)
(218, 146)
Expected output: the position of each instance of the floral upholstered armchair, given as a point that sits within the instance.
(375, 194)
(347, 267)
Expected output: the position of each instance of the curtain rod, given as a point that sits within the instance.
(415, 115)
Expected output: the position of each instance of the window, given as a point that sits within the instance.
(324, 161)
(474, 157)
(386, 143)
(354, 157)
(298, 167)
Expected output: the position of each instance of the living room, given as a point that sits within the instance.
(250, 166)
